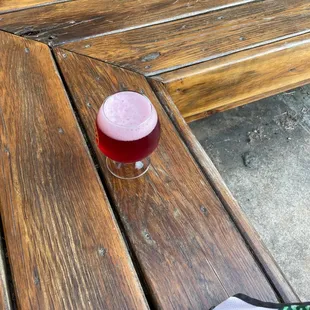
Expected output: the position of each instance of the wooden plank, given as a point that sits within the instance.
(16, 5)
(166, 47)
(83, 18)
(241, 78)
(64, 245)
(231, 205)
(191, 254)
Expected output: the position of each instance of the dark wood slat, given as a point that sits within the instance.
(16, 5)
(191, 254)
(231, 205)
(64, 245)
(188, 41)
(241, 78)
(83, 18)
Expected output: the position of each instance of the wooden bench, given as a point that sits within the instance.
(78, 238)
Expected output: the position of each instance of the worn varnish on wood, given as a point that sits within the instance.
(83, 18)
(190, 252)
(241, 78)
(231, 205)
(181, 43)
(15, 5)
(64, 245)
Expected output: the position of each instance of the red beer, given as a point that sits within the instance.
(127, 127)
(128, 151)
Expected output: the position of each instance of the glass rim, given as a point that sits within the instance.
(122, 126)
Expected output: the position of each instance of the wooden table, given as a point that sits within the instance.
(74, 236)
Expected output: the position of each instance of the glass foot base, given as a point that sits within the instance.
(128, 170)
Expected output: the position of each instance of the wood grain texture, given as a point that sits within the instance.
(241, 78)
(16, 5)
(83, 18)
(64, 245)
(191, 254)
(231, 205)
(165, 47)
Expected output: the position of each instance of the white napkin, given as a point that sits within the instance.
(243, 302)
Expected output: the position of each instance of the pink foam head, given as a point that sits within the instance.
(127, 116)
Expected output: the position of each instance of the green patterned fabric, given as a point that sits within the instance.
(296, 307)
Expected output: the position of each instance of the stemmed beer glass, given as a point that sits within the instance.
(127, 132)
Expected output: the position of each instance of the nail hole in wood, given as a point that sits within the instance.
(102, 251)
(36, 277)
(147, 237)
(204, 210)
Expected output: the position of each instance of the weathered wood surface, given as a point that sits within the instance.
(15, 5)
(231, 205)
(240, 78)
(190, 252)
(165, 47)
(64, 245)
(83, 18)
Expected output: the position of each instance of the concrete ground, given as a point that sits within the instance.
(262, 151)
